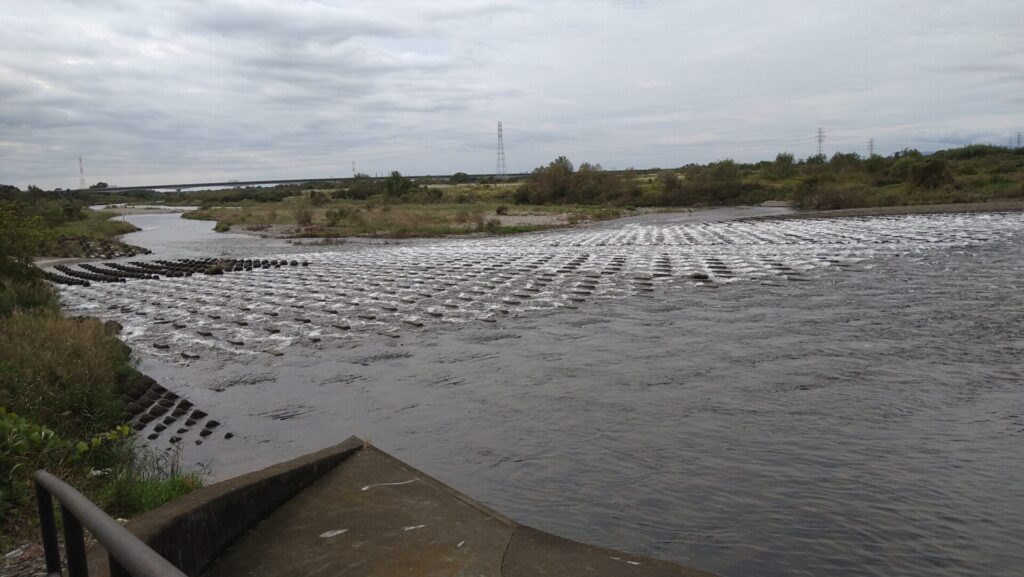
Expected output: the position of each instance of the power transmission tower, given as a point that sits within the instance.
(353, 169)
(500, 170)
(1018, 139)
(821, 140)
(81, 175)
(871, 148)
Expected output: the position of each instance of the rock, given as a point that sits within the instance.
(699, 276)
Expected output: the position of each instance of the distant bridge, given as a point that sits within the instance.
(230, 183)
(240, 183)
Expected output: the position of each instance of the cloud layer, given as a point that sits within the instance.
(175, 90)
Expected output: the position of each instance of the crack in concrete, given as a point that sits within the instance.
(508, 547)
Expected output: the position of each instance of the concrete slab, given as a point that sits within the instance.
(373, 515)
(533, 553)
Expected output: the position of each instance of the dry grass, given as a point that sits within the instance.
(385, 220)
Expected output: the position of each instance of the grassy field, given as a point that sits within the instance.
(98, 225)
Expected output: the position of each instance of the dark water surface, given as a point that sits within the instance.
(846, 398)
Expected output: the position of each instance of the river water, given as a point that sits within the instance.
(839, 397)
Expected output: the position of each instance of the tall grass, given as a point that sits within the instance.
(24, 294)
(62, 372)
(141, 478)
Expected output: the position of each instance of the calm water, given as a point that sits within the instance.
(845, 398)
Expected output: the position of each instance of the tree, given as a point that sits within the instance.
(100, 185)
(459, 178)
(845, 162)
(395, 185)
(551, 183)
(669, 181)
(724, 172)
(931, 174)
(784, 166)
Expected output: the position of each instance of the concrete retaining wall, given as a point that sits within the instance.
(192, 530)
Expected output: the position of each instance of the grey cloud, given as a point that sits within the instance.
(178, 89)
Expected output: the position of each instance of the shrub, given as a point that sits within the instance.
(931, 174)
(222, 226)
(336, 215)
(319, 197)
(303, 214)
(501, 210)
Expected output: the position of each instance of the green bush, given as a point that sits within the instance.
(336, 215)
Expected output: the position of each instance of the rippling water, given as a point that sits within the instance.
(838, 397)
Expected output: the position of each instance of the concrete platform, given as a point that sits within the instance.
(373, 515)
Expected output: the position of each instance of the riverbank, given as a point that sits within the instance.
(64, 385)
(967, 207)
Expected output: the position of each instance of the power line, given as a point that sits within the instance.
(500, 169)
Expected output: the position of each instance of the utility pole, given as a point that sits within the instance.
(821, 140)
(871, 148)
(81, 175)
(499, 173)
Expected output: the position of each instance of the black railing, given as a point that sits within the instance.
(127, 554)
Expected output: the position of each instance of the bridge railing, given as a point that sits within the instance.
(127, 554)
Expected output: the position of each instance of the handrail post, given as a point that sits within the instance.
(74, 544)
(48, 527)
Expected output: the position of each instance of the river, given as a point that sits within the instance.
(838, 397)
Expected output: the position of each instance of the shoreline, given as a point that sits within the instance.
(966, 207)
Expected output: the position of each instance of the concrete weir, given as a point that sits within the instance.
(354, 510)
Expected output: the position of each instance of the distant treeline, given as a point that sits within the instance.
(846, 180)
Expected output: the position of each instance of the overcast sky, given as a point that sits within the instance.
(180, 90)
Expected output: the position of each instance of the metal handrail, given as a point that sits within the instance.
(128, 555)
